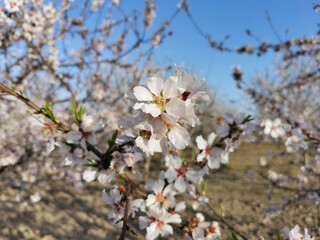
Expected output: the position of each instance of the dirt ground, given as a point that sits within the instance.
(67, 213)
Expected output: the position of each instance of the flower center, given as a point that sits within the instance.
(184, 96)
(207, 151)
(194, 222)
(160, 198)
(211, 229)
(181, 171)
(160, 224)
(116, 207)
(145, 134)
(160, 101)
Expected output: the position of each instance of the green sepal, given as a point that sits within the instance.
(249, 118)
(204, 186)
(112, 141)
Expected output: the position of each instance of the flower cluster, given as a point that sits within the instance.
(166, 110)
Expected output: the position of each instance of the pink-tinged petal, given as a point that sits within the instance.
(180, 184)
(179, 137)
(201, 143)
(142, 93)
(152, 109)
(223, 130)
(90, 174)
(212, 136)
(176, 107)
(170, 88)
(155, 85)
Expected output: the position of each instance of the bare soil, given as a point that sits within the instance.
(238, 188)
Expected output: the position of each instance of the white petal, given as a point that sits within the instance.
(170, 88)
(179, 137)
(73, 137)
(154, 145)
(152, 109)
(175, 162)
(222, 130)
(170, 175)
(150, 200)
(180, 184)
(143, 222)
(176, 107)
(142, 93)
(212, 136)
(180, 206)
(155, 85)
(152, 231)
(90, 174)
(175, 218)
(165, 230)
(104, 178)
(201, 143)
(158, 186)
(201, 156)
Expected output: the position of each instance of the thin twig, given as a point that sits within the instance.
(126, 213)
(222, 219)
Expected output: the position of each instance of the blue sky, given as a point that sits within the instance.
(228, 17)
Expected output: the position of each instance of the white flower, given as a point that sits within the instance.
(114, 199)
(159, 97)
(293, 234)
(274, 128)
(160, 198)
(157, 222)
(177, 135)
(180, 175)
(88, 126)
(13, 5)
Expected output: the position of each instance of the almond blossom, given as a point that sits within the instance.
(274, 128)
(157, 222)
(181, 175)
(159, 97)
